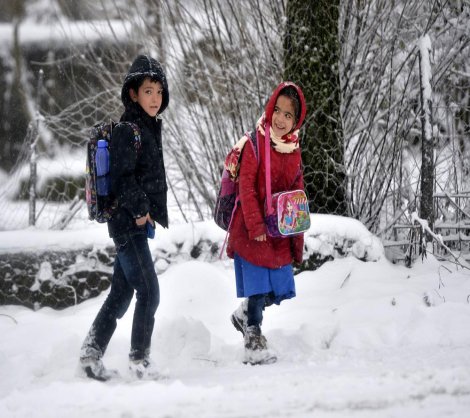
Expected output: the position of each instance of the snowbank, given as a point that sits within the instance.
(359, 340)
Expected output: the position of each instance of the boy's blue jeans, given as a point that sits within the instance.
(133, 270)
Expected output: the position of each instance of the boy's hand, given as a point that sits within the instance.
(143, 220)
(261, 238)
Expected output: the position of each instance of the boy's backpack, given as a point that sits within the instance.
(101, 207)
(227, 198)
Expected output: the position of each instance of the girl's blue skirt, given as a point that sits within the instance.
(255, 280)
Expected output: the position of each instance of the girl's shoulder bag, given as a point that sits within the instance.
(286, 213)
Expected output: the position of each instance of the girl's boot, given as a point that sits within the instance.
(256, 349)
(239, 317)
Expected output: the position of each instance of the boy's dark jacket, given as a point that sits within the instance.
(138, 177)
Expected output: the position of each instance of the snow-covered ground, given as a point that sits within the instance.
(361, 339)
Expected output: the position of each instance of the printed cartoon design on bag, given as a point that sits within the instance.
(288, 218)
(294, 214)
(285, 221)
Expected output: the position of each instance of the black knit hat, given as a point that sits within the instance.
(145, 66)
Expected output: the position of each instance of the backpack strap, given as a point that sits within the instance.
(136, 132)
(253, 139)
(254, 142)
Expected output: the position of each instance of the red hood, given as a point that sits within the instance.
(269, 110)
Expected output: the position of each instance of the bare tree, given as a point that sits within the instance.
(380, 99)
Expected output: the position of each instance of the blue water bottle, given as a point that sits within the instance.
(102, 168)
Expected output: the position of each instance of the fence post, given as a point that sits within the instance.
(32, 181)
(33, 158)
(427, 145)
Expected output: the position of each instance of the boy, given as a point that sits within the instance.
(138, 182)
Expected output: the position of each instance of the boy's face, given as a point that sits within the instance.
(283, 117)
(149, 96)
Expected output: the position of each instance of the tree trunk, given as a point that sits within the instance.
(311, 59)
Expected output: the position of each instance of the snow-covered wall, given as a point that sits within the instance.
(62, 268)
(56, 279)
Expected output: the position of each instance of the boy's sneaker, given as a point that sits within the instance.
(144, 369)
(239, 318)
(94, 369)
(256, 349)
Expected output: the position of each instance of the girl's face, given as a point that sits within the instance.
(283, 120)
(149, 96)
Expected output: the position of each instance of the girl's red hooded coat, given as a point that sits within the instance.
(248, 222)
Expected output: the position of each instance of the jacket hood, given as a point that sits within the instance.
(269, 110)
(145, 66)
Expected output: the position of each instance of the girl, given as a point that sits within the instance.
(263, 265)
(138, 181)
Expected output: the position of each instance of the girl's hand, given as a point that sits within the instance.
(261, 238)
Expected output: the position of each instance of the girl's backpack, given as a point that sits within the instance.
(227, 198)
(102, 206)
